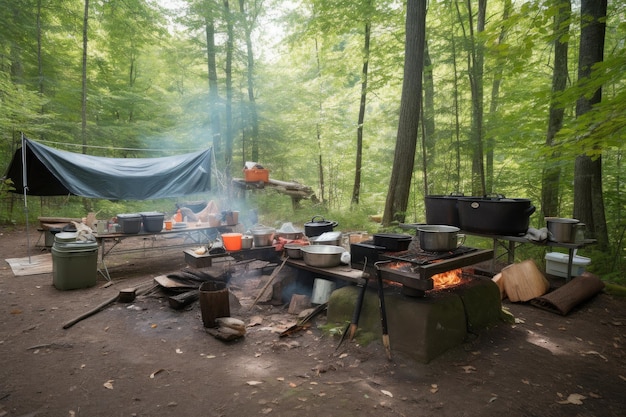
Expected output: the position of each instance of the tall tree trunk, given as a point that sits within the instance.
(475, 71)
(83, 111)
(428, 117)
(228, 151)
(551, 175)
(588, 199)
(457, 120)
(39, 57)
(406, 141)
(254, 118)
(356, 190)
(318, 130)
(495, 99)
(216, 135)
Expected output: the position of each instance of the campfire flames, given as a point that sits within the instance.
(447, 279)
(440, 281)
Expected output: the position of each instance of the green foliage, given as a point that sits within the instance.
(148, 89)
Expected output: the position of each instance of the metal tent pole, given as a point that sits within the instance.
(25, 186)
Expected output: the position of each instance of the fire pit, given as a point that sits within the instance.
(434, 300)
(415, 268)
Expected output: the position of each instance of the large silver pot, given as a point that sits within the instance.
(439, 238)
(262, 236)
(322, 256)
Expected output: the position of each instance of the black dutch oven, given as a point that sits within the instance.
(393, 242)
(317, 226)
(442, 209)
(495, 215)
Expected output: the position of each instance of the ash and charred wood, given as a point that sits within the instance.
(180, 301)
(207, 274)
(303, 323)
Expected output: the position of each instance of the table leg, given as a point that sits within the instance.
(511, 252)
(570, 261)
(105, 274)
(493, 261)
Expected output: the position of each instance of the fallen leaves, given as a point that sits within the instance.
(155, 373)
(593, 352)
(576, 399)
(254, 383)
(468, 369)
(387, 393)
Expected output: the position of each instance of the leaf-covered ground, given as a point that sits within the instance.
(145, 359)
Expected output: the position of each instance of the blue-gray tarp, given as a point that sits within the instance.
(51, 172)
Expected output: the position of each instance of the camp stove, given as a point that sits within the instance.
(414, 268)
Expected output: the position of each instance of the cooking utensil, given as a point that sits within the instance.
(442, 209)
(263, 235)
(318, 225)
(495, 215)
(293, 250)
(439, 238)
(393, 242)
(561, 229)
(246, 241)
(383, 312)
(322, 256)
(351, 328)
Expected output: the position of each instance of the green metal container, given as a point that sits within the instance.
(74, 265)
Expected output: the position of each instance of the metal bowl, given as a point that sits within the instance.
(322, 256)
(290, 235)
(293, 250)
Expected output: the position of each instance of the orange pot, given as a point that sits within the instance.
(232, 241)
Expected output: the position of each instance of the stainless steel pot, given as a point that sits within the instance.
(246, 242)
(262, 235)
(561, 229)
(439, 238)
(322, 256)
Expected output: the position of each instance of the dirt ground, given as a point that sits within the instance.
(146, 359)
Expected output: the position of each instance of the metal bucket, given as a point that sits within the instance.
(322, 288)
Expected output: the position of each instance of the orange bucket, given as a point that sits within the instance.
(232, 241)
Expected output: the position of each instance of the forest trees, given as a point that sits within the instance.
(410, 103)
(315, 93)
(588, 192)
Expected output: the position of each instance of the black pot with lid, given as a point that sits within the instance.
(318, 225)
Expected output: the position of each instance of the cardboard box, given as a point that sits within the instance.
(556, 264)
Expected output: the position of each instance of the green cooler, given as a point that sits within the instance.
(74, 264)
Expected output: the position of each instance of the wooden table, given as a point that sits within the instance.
(193, 234)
